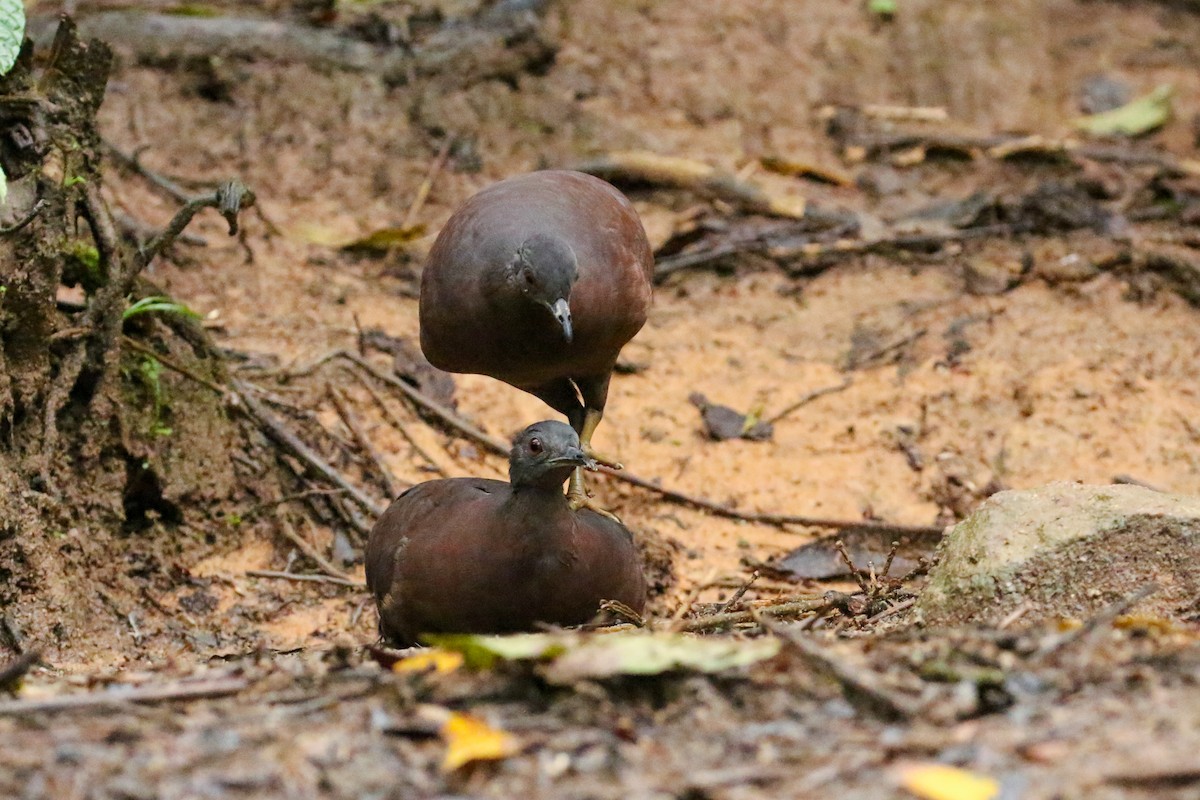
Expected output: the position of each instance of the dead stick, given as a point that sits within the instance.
(896, 609)
(857, 684)
(343, 409)
(498, 447)
(714, 621)
(394, 420)
(808, 398)
(739, 594)
(171, 365)
(426, 186)
(218, 687)
(293, 576)
(309, 550)
(286, 439)
(1103, 617)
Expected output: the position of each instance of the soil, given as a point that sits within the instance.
(951, 395)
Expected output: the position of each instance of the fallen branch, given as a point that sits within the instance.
(503, 41)
(218, 687)
(808, 398)
(500, 448)
(288, 532)
(293, 576)
(779, 610)
(343, 409)
(229, 199)
(860, 686)
(172, 365)
(817, 255)
(132, 162)
(729, 604)
(399, 424)
(1104, 616)
(290, 442)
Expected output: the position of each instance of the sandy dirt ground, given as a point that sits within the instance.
(1085, 379)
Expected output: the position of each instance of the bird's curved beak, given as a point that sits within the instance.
(575, 457)
(562, 313)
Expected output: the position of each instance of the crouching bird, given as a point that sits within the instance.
(539, 281)
(470, 555)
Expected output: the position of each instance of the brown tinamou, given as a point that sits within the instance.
(539, 281)
(470, 555)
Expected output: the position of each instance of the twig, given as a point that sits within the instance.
(286, 439)
(293, 576)
(218, 687)
(896, 609)
(28, 218)
(172, 365)
(619, 609)
(291, 498)
(426, 186)
(739, 594)
(285, 528)
(808, 398)
(1103, 617)
(499, 447)
(343, 409)
(779, 610)
(502, 41)
(857, 684)
(229, 199)
(394, 420)
(133, 163)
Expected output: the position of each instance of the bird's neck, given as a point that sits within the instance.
(532, 501)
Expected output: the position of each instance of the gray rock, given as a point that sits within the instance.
(1066, 550)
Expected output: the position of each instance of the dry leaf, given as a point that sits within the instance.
(943, 782)
(1142, 115)
(433, 660)
(471, 739)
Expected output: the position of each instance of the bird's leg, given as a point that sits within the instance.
(577, 495)
(591, 418)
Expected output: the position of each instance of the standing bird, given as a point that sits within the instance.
(470, 555)
(539, 281)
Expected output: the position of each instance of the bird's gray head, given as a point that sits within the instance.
(544, 454)
(544, 271)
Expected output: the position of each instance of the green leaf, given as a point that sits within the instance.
(884, 8)
(1139, 116)
(482, 652)
(573, 657)
(149, 305)
(655, 653)
(12, 33)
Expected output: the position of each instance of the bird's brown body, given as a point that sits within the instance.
(469, 325)
(469, 555)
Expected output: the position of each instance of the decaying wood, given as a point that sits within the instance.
(503, 41)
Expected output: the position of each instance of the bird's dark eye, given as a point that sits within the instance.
(528, 276)
(535, 446)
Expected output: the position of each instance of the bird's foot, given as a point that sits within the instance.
(578, 497)
(602, 460)
(581, 500)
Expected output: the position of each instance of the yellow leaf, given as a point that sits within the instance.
(471, 739)
(434, 660)
(941, 782)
